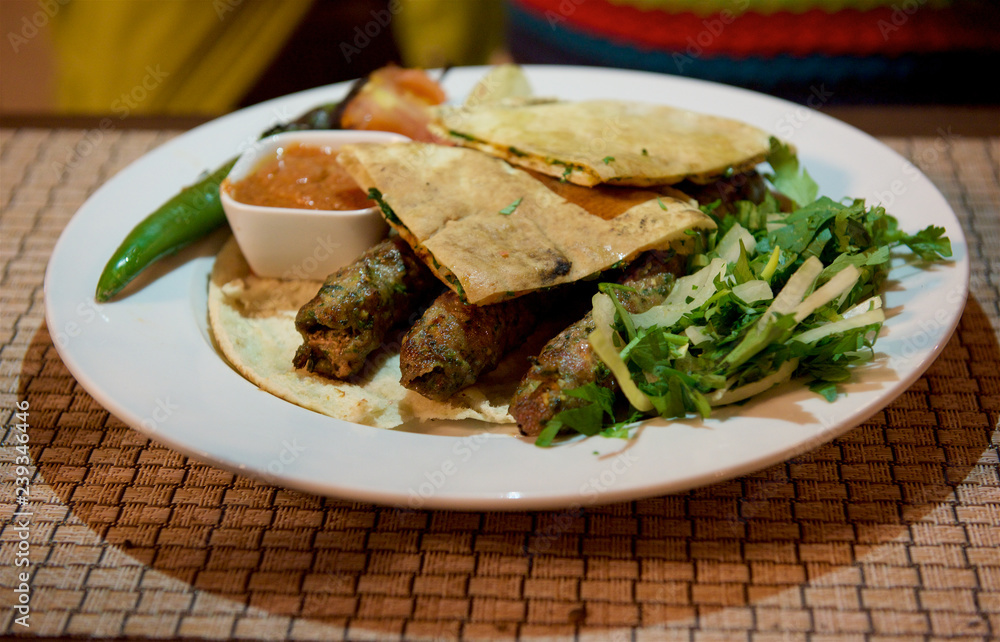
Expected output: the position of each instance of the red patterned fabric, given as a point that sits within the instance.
(907, 27)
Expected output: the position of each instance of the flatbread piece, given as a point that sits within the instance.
(607, 141)
(253, 323)
(493, 231)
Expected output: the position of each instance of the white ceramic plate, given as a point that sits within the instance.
(148, 357)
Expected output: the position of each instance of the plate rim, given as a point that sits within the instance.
(498, 499)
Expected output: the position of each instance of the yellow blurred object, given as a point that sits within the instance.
(165, 56)
(437, 33)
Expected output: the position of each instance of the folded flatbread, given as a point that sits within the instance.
(607, 141)
(252, 320)
(492, 231)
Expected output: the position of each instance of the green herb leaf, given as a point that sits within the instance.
(623, 315)
(827, 389)
(548, 434)
(507, 211)
(686, 357)
(375, 195)
(929, 244)
(588, 419)
(787, 179)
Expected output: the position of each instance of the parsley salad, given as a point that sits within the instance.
(773, 293)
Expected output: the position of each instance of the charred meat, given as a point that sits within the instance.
(567, 361)
(453, 342)
(745, 186)
(357, 305)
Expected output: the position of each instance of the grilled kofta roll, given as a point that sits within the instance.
(568, 361)
(453, 342)
(358, 305)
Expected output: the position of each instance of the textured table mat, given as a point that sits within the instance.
(890, 532)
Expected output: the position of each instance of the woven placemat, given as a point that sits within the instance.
(889, 532)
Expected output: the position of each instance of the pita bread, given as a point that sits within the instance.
(492, 231)
(252, 320)
(607, 141)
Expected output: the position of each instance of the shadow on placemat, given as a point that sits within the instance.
(672, 560)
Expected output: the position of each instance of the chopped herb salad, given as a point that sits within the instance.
(774, 293)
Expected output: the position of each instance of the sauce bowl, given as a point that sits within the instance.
(298, 243)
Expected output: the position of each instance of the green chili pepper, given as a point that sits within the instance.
(188, 216)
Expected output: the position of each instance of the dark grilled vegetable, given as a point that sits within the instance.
(358, 305)
(323, 117)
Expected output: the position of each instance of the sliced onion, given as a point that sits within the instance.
(728, 248)
(827, 329)
(696, 334)
(841, 282)
(699, 287)
(753, 291)
(728, 396)
(603, 343)
(795, 289)
(874, 303)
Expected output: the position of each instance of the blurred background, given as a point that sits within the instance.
(202, 58)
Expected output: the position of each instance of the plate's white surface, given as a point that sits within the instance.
(148, 358)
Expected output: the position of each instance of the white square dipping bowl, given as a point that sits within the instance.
(296, 243)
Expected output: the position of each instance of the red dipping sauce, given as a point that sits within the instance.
(303, 177)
